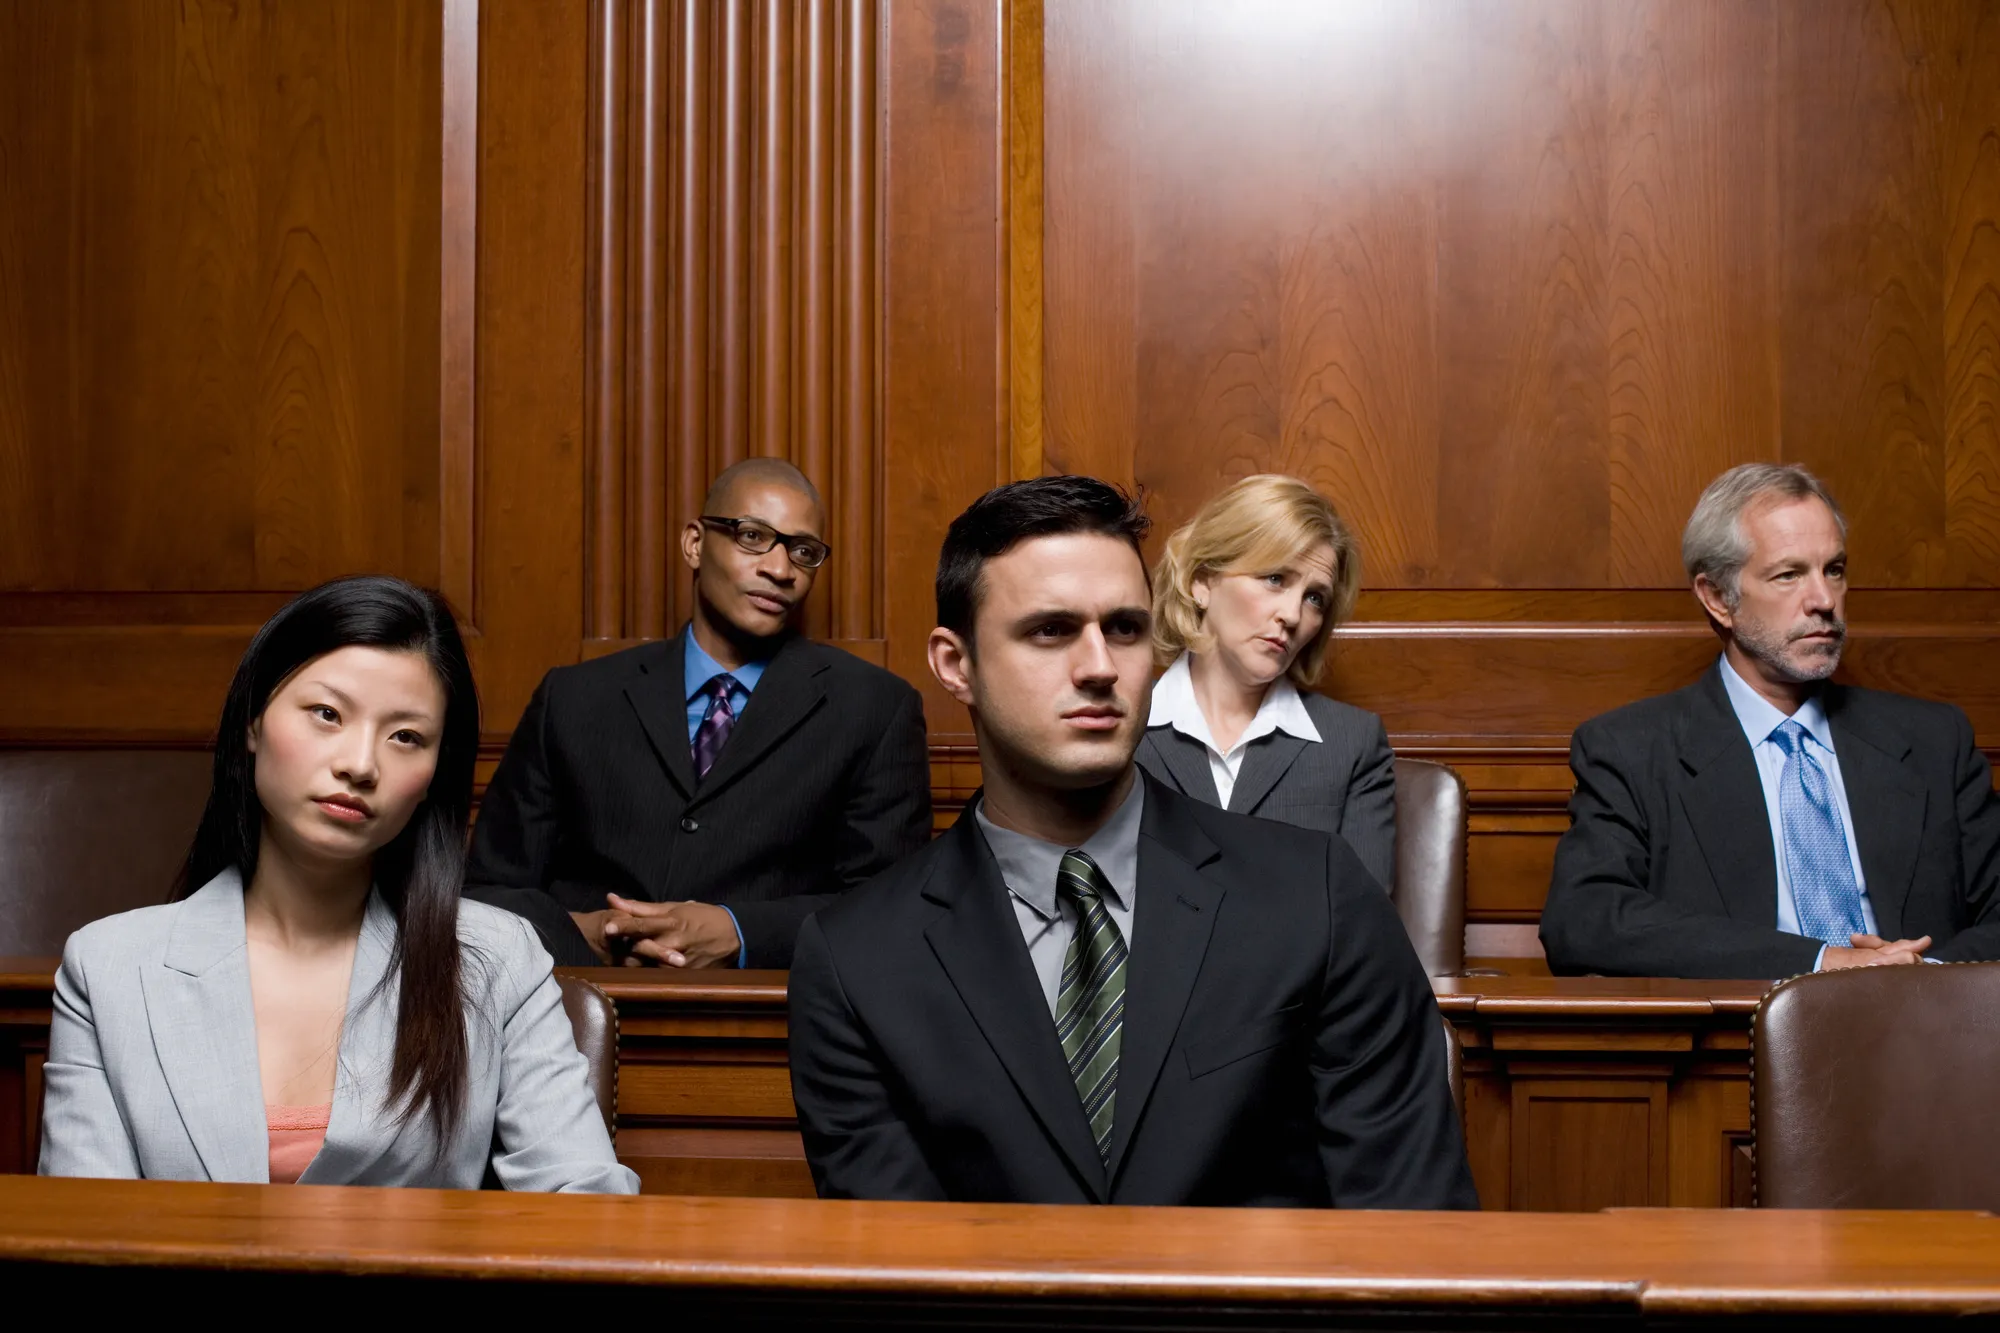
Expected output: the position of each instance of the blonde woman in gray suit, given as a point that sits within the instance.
(316, 1004)
(1245, 601)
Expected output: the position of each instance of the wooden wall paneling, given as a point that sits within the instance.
(733, 303)
(532, 267)
(1971, 181)
(234, 228)
(944, 408)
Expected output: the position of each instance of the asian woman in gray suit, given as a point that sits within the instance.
(1245, 601)
(316, 1004)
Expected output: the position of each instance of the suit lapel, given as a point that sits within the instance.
(659, 696)
(786, 695)
(1173, 916)
(1268, 759)
(205, 1033)
(1724, 800)
(978, 943)
(1186, 760)
(1888, 804)
(361, 1126)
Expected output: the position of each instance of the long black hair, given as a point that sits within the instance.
(419, 873)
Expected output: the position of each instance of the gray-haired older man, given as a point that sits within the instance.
(1764, 821)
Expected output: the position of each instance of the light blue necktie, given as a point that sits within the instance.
(1821, 875)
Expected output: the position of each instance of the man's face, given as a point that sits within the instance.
(1791, 615)
(1060, 670)
(754, 595)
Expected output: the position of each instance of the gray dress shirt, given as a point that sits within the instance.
(1028, 867)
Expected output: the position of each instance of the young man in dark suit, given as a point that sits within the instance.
(689, 803)
(1764, 821)
(1094, 989)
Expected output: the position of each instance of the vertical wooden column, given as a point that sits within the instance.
(734, 302)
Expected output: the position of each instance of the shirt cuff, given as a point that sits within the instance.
(1819, 957)
(1938, 961)
(742, 945)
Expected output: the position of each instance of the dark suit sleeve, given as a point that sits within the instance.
(1368, 819)
(1389, 1133)
(857, 1144)
(1601, 916)
(514, 842)
(885, 816)
(1979, 847)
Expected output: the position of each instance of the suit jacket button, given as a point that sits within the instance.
(690, 824)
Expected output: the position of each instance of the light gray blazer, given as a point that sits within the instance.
(152, 1070)
(1344, 784)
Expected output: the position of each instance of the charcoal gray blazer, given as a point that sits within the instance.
(1345, 785)
(1668, 869)
(1281, 1045)
(152, 1071)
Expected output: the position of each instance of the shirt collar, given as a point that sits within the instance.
(1028, 865)
(1174, 705)
(699, 668)
(1759, 717)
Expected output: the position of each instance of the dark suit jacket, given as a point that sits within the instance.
(1346, 784)
(1668, 868)
(1281, 1045)
(824, 782)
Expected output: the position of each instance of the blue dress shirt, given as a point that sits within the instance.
(697, 669)
(1759, 718)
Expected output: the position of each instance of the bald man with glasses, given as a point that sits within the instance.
(689, 803)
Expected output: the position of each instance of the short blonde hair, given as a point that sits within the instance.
(1257, 524)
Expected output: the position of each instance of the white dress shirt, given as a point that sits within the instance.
(1028, 867)
(1759, 719)
(1174, 705)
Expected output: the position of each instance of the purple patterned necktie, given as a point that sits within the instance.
(716, 724)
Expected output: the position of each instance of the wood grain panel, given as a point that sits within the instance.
(733, 298)
(231, 231)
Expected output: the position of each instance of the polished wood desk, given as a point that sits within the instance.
(775, 1260)
(1581, 1093)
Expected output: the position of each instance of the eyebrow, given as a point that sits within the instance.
(1033, 618)
(404, 715)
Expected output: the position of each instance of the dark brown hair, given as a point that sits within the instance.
(419, 874)
(1008, 515)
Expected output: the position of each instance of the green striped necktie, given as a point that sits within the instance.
(1090, 1002)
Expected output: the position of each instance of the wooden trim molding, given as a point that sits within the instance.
(458, 316)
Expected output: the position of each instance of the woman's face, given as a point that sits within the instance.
(1259, 620)
(345, 751)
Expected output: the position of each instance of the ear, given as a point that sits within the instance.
(251, 736)
(691, 544)
(1199, 588)
(951, 663)
(1711, 601)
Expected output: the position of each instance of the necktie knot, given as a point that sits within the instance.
(1790, 737)
(1078, 877)
(719, 687)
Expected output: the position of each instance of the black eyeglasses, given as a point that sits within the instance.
(757, 538)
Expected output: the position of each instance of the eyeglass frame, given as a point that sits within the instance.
(734, 527)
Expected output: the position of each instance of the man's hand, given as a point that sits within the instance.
(592, 925)
(1874, 951)
(686, 934)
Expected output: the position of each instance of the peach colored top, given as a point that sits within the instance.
(296, 1135)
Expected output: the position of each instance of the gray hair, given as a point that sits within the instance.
(1713, 544)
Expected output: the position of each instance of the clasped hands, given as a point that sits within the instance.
(638, 934)
(1874, 951)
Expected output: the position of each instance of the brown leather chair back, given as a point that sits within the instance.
(594, 1018)
(1877, 1087)
(1430, 863)
(86, 833)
